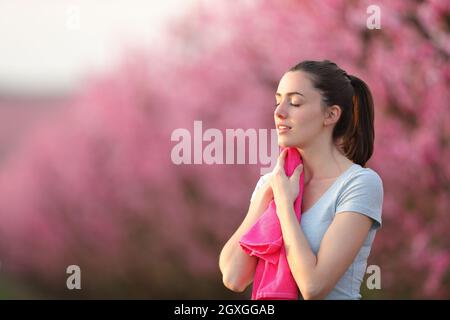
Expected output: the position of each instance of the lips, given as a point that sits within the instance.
(283, 128)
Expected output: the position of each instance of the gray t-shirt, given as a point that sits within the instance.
(357, 189)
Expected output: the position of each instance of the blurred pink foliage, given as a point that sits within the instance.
(95, 186)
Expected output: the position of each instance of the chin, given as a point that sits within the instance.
(285, 143)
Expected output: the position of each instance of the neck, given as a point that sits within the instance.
(323, 161)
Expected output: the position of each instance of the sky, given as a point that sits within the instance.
(46, 46)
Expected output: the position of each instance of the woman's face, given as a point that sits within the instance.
(298, 106)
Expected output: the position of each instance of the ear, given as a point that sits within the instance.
(332, 115)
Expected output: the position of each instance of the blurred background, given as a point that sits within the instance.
(90, 93)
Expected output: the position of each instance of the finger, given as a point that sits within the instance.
(297, 172)
(281, 159)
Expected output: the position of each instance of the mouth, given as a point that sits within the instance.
(282, 128)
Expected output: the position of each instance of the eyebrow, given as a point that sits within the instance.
(290, 93)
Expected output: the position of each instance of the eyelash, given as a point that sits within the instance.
(292, 104)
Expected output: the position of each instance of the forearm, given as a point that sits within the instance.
(302, 260)
(238, 267)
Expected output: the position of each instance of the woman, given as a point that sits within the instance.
(328, 116)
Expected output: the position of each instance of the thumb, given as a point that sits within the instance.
(296, 175)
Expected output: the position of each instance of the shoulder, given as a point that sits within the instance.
(364, 178)
(262, 179)
(362, 192)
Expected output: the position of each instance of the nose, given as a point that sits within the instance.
(280, 111)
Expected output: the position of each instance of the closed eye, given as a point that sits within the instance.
(292, 104)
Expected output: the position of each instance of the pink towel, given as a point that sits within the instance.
(273, 278)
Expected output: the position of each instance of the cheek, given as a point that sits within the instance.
(307, 128)
(308, 122)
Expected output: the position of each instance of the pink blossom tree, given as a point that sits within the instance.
(95, 186)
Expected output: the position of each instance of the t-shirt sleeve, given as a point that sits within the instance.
(260, 182)
(363, 193)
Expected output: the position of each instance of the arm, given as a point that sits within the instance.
(317, 275)
(238, 267)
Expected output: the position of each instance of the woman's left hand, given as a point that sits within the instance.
(285, 189)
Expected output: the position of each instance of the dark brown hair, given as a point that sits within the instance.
(356, 124)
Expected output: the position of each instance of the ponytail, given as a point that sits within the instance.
(358, 140)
